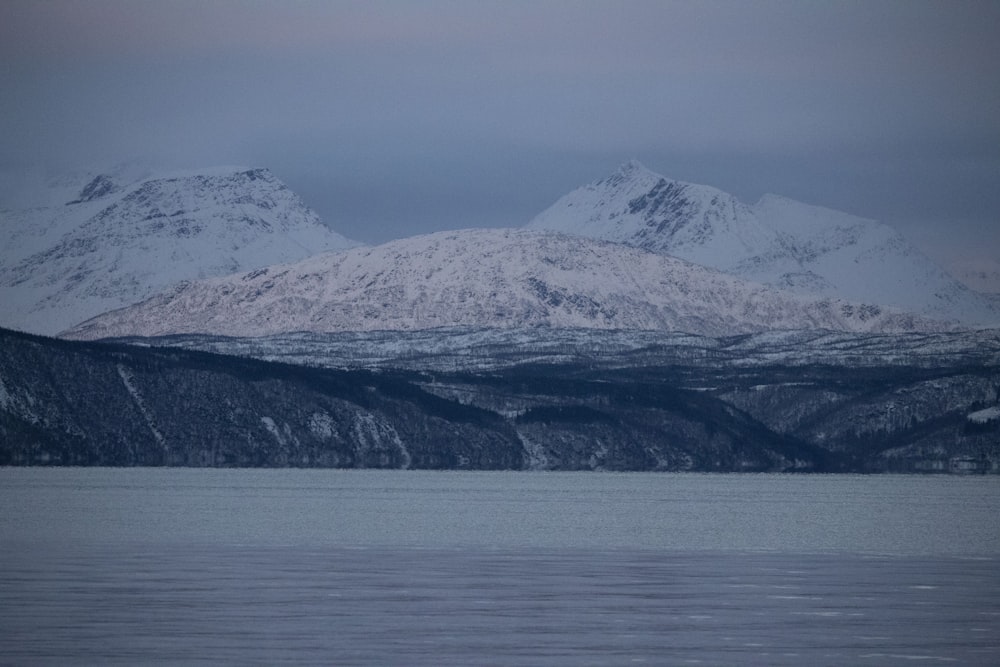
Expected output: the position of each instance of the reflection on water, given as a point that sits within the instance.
(327, 567)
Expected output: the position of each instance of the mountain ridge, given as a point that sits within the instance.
(499, 278)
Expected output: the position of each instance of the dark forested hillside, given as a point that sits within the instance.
(69, 403)
(92, 404)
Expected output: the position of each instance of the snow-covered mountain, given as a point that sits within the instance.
(777, 241)
(117, 242)
(485, 278)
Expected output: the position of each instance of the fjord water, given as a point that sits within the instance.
(182, 566)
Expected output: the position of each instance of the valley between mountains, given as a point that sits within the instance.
(210, 319)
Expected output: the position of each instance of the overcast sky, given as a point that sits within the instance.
(397, 118)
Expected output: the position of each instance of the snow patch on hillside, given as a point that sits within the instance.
(140, 404)
(984, 416)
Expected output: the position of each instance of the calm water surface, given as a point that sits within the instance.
(180, 566)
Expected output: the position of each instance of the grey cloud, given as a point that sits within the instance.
(397, 117)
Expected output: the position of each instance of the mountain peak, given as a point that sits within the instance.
(121, 243)
(631, 175)
(638, 207)
(778, 241)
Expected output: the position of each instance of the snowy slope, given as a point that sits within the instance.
(484, 278)
(115, 243)
(780, 242)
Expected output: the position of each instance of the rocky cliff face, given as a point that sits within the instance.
(109, 404)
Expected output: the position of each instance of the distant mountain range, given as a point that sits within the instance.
(114, 243)
(232, 251)
(783, 243)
